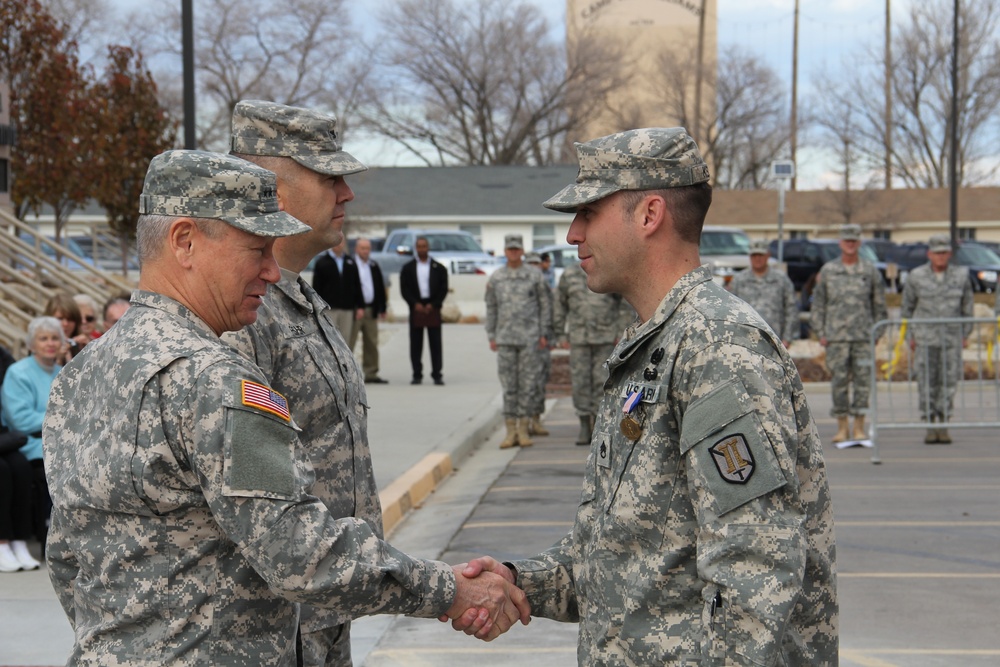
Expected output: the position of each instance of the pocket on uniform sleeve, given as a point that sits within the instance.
(728, 450)
(260, 456)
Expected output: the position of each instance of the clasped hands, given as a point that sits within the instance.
(487, 603)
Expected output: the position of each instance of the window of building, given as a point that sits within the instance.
(797, 234)
(542, 235)
(966, 234)
(3, 175)
(882, 234)
(475, 230)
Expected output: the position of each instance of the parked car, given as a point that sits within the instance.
(457, 250)
(726, 250)
(983, 263)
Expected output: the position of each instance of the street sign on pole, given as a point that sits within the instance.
(784, 171)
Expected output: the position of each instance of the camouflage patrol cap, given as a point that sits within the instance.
(533, 258)
(198, 184)
(308, 137)
(646, 159)
(939, 243)
(759, 247)
(513, 241)
(850, 232)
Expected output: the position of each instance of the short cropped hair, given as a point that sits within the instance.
(688, 206)
(152, 228)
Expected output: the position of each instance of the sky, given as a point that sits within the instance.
(829, 30)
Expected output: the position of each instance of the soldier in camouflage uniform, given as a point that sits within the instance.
(769, 292)
(705, 532)
(295, 340)
(183, 531)
(848, 299)
(938, 290)
(535, 427)
(589, 325)
(518, 319)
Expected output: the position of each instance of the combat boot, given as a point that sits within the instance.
(942, 433)
(522, 432)
(586, 431)
(511, 438)
(859, 428)
(842, 433)
(932, 435)
(535, 427)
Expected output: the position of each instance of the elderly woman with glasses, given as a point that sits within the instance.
(24, 398)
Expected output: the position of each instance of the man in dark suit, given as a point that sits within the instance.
(371, 309)
(424, 284)
(335, 278)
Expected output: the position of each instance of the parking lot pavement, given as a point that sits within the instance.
(919, 567)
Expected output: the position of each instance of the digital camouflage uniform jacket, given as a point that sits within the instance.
(182, 530)
(847, 301)
(930, 296)
(301, 352)
(583, 317)
(709, 540)
(518, 306)
(772, 295)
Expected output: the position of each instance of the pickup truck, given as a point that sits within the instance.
(457, 250)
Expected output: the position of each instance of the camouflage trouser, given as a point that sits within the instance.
(519, 368)
(938, 369)
(329, 647)
(850, 364)
(587, 372)
(545, 361)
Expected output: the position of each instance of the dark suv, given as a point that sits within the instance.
(983, 263)
(805, 257)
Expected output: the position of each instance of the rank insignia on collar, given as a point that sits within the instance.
(733, 459)
(657, 356)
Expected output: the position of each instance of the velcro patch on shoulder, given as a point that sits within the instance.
(258, 396)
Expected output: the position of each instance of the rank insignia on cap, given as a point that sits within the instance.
(733, 459)
(266, 399)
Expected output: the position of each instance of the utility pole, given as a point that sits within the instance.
(795, 88)
(187, 27)
(699, 74)
(888, 97)
(953, 162)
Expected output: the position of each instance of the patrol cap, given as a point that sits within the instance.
(198, 184)
(647, 159)
(307, 136)
(939, 243)
(533, 258)
(759, 247)
(513, 241)
(850, 232)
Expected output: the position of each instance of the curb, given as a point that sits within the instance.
(409, 490)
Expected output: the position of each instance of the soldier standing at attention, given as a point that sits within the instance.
(770, 292)
(705, 531)
(848, 299)
(938, 290)
(295, 340)
(183, 527)
(534, 260)
(518, 316)
(589, 325)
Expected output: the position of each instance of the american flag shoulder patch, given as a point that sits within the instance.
(264, 398)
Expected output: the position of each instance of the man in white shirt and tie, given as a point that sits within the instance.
(424, 285)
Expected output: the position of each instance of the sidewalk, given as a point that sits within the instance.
(418, 434)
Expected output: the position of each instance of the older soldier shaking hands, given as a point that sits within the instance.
(183, 530)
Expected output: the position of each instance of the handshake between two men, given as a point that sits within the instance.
(487, 602)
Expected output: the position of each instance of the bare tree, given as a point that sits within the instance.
(86, 22)
(921, 93)
(482, 83)
(749, 126)
(298, 52)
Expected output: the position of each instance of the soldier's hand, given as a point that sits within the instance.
(503, 603)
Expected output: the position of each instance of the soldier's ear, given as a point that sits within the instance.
(181, 240)
(652, 214)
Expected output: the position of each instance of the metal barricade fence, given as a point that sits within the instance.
(940, 379)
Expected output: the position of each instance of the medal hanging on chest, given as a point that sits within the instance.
(629, 425)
